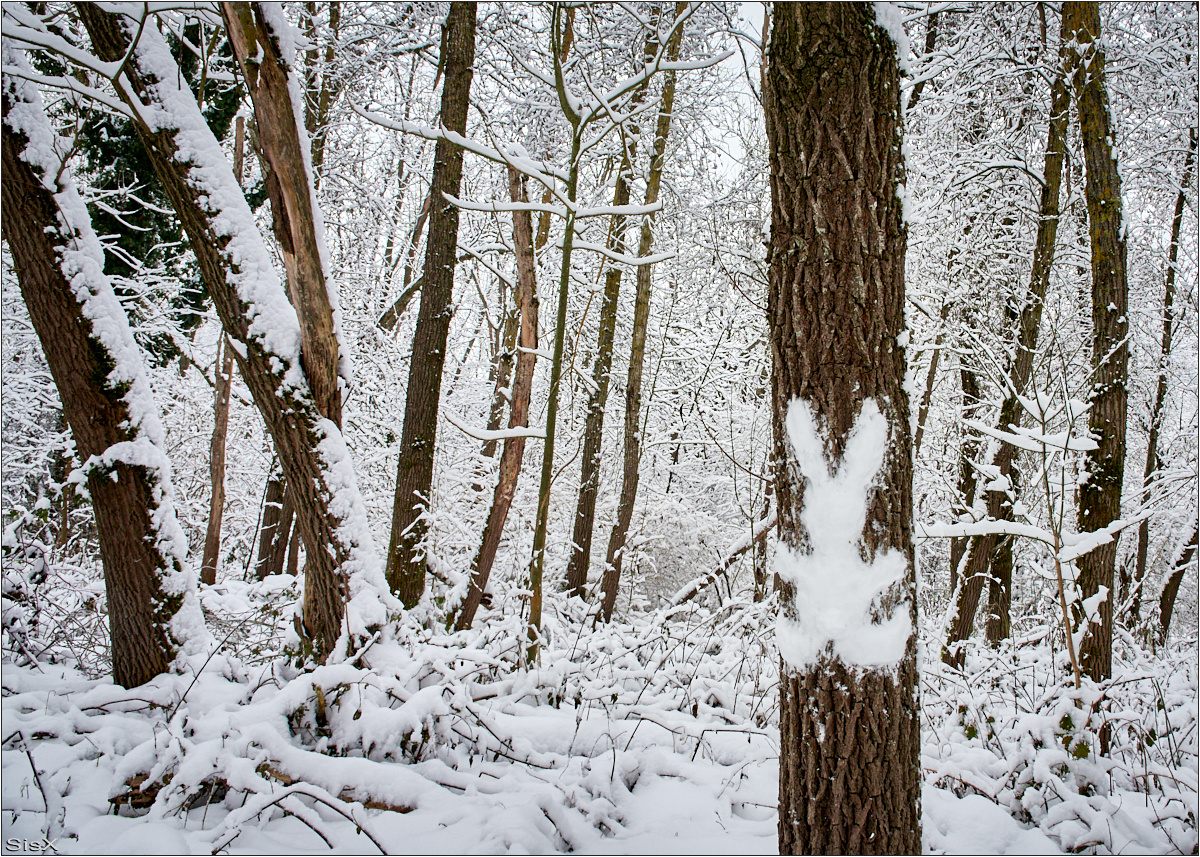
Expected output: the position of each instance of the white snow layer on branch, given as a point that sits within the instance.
(497, 434)
(273, 321)
(836, 591)
(81, 260)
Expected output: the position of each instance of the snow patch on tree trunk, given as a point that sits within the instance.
(837, 590)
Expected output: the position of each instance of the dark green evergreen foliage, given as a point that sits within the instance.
(146, 252)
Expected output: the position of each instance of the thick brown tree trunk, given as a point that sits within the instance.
(328, 505)
(414, 476)
(849, 772)
(982, 556)
(142, 576)
(1100, 495)
(1160, 394)
(615, 555)
(514, 447)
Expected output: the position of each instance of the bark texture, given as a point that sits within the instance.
(123, 496)
(414, 476)
(294, 216)
(514, 447)
(989, 558)
(1100, 496)
(849, 735)
(288, 410)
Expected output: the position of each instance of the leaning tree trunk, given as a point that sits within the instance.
(986, 553)
(414, 476)
(100, 376)
(514, 446)
(1100, 495)
(262, 327)
(1166, 601)
(615, 555)
(1160, 394)
(849, 771)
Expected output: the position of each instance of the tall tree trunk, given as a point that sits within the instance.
(849, 772)
(1100, 495)
(1166, 601)
(262, 327)
(1160, 394)
(414, 476)
(514, 447)
(615, 555)
(222, 390)
(561, 34)
(100, 376)
(216, 458)
(593, 432)
(968, 482)
(982, 551)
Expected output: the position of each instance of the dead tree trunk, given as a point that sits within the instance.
(849, 773)
(514, 447)
(1100, 496)
(98, 371)
(414, 476)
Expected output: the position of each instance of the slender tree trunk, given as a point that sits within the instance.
(561, 34)
(216, 458)
(309, 445)
(967, 481)
(514, 447)
(593, 432)
(1166, 601)
(98, 371)
(414, 477)
(502, 367)
(1100, 496)
(849, 770)
(319, 98)
(222, 390)
(388, 320)
(1160, 394)
(982, 550)
(615, 555)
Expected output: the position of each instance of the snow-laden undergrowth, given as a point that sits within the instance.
(656, 736)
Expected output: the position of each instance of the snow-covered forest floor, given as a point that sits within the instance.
(658, 736)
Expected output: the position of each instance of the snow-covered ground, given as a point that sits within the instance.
(653, 738)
